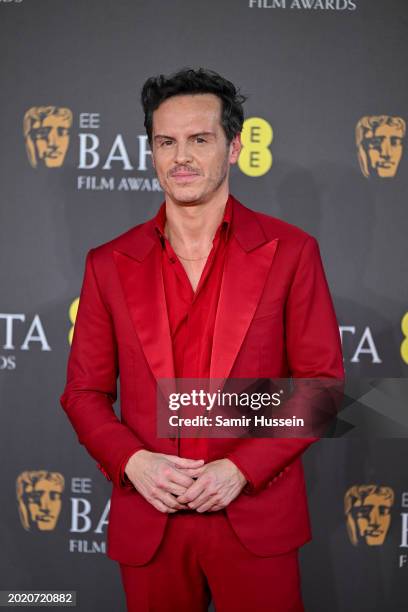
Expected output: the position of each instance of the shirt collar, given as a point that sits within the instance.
(226, 223)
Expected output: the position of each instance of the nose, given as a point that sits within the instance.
(182, 153)
(386, 148)
(45, 504)
(53, 137)
(374, 519)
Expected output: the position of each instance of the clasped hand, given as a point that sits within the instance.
(171, 483)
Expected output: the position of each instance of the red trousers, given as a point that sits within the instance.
(200, 556)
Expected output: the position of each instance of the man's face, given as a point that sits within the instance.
(44, 504)
(51, 139)
(373, 519)
(190, 151)
(384, 150)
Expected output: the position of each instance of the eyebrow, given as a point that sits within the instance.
(163, 136)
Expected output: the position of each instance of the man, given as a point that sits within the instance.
(206, 289)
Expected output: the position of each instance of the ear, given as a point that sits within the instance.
(235, 148)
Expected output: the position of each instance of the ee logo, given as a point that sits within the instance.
(72, 313)
(404, 343)
(255, 158)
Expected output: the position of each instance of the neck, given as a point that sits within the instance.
(190, 228)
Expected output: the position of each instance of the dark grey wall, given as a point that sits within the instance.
(311, 74)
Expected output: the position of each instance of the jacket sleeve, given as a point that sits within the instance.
(313, 350)
(91, 389)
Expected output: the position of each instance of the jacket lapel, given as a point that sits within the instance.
(248, 261)
(140, 273)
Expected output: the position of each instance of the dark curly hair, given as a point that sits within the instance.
(189, 81)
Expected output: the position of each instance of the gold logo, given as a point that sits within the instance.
(368, 513)
(379, 145)
(46, 133)
(39, 499)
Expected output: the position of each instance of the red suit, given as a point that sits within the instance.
(275, 319)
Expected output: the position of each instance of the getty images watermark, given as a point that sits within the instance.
(215, 408)
(198, 398)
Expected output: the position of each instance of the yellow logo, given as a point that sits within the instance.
(404, 343)
(379, 145)
(255, 158)
(368, 513)
(72, 313)
(39, 499)
(46, 133)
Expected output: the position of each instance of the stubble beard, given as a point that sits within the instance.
(202, 198)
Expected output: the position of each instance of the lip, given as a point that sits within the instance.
(185, 176)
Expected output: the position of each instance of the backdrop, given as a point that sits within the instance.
(323, 149)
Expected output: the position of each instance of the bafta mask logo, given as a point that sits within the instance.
(368, 513)
(379, 145)
(46, 133)
(39, 499)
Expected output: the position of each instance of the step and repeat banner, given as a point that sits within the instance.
(324, 142)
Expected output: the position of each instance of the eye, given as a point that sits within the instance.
(200, 139)
(41, 133)
(396, 141)
(375, 143)
(35, 497)
(166, 143)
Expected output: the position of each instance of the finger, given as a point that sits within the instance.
(169, 500)
(192, 492)
(192, 471)
(175, 489)
(184, 462)
(156, 503)
(200, 500)
(210, 503)
(180, 478)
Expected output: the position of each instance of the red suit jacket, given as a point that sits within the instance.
(275, 319)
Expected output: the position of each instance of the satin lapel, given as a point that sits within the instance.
(243, 280)
(143, 287)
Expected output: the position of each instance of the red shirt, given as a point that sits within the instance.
(192, 314)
